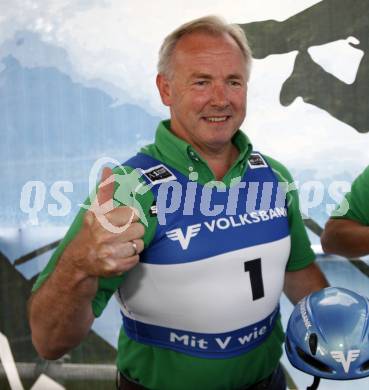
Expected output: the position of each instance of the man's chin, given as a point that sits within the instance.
(218, 143)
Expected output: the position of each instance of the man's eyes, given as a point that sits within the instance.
(235, 83)
(201, 82)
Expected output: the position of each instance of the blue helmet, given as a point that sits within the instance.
(328, 334)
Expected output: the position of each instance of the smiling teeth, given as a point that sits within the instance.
(217, 119)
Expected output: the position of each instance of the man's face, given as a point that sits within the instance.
(207, 90)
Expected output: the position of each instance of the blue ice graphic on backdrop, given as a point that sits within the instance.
(54, 124)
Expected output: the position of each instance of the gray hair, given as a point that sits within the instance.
(213, 25)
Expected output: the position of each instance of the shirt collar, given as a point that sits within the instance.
(179, 154)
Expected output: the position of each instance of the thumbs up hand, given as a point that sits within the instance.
(110, 239)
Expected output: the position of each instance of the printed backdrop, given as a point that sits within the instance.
(77, 82)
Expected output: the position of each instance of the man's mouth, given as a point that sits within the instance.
(216, 119)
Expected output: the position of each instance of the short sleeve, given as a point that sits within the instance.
(301, 254)
(355, 205)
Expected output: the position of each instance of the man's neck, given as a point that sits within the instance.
(220, 161)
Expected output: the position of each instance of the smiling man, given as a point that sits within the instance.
(199, 289)
(206, 95)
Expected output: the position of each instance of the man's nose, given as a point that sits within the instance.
(220, 95)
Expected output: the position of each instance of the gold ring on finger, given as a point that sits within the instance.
(134, 247)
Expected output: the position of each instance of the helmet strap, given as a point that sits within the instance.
(315, 384)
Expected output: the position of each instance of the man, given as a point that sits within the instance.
(200, 303)
(347, 231)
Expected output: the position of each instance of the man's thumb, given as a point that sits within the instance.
(105, 191)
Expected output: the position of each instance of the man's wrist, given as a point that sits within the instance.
(71, 276)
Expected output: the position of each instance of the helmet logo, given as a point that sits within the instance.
(339, 357)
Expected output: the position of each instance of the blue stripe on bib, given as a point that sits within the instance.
(206, 345)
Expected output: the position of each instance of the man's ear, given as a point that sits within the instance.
(164, 89)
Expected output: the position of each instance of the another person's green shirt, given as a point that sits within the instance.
(355, 205)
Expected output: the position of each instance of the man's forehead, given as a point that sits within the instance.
(202, 41)
(200, 52)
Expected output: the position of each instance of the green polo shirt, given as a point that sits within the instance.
(355, 205)
(164, 369)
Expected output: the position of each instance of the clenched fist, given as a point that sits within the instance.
(110, 239)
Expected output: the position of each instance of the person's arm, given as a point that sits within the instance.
(298, 284)
(302, 275)
(345, 237)
(347, 231)
(60, 311)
